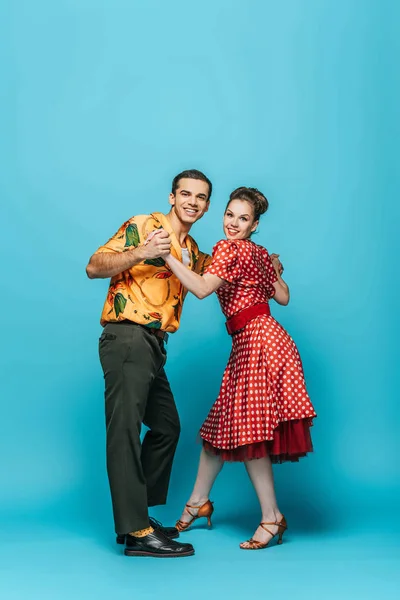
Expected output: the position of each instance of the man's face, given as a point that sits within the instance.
(190, 201)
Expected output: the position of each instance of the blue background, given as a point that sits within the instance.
(102, 103)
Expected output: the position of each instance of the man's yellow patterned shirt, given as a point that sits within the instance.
(148, 293)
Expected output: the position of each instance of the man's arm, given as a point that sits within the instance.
(106, 264)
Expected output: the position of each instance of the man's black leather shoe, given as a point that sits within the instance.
(171, 532)
(156, 544)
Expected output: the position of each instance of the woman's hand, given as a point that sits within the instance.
(276, 263)
(282, 294)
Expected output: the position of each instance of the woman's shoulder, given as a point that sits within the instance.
(260, 249)
(239, 247)
(225, 245)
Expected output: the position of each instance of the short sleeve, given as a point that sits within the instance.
(270, 272)
(202, 263)
(126, 238)
(225, 261)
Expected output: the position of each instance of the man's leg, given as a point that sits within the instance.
(130, 359)
(160, 441)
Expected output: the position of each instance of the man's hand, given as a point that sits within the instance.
(276, 263)
(157, 244)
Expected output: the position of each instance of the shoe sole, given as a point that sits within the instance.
(121, 539)
(156, 555)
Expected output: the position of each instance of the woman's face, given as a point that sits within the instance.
(239, 221)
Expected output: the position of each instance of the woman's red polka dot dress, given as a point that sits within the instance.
(263, 406)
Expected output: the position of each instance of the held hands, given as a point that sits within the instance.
(276, 263)
(157, 244)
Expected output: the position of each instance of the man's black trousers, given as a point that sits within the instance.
(137, 391)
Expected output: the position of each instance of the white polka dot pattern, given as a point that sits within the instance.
(248, 266)
(263, 383)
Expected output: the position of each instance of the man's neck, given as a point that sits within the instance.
(180, 229)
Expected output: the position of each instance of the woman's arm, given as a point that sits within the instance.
(282, 295)
(200, 285)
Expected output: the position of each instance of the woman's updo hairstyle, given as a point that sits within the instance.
(254, 197)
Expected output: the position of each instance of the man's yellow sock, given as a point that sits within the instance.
(142, 532)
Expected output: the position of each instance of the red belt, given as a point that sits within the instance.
(240, 320)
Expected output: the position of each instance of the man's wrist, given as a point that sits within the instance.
(140, 253)
(137, 255)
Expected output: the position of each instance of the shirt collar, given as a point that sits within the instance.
(175, 242)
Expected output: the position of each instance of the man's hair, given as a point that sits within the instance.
(191, 174)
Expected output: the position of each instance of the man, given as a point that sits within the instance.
(143, 305)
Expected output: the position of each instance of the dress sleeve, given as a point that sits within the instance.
(225, 261)
(126, 238)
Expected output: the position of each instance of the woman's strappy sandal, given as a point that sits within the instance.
(254, 545)
(206, 510)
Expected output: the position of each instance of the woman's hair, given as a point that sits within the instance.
(254, 197)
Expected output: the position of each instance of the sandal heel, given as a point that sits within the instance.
(206, 510)
(254, 545)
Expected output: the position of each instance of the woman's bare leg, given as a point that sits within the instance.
(262, 478)
(209, 467)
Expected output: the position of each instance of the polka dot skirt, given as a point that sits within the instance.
(263, 406)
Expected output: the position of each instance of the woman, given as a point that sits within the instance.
(263, 413)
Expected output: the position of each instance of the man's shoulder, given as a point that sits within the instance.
(192, 241)
(139, 218)
(135, 219)
(143, 222)
(195, 247)
(205, 255)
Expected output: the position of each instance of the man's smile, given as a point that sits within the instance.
(191, 211)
